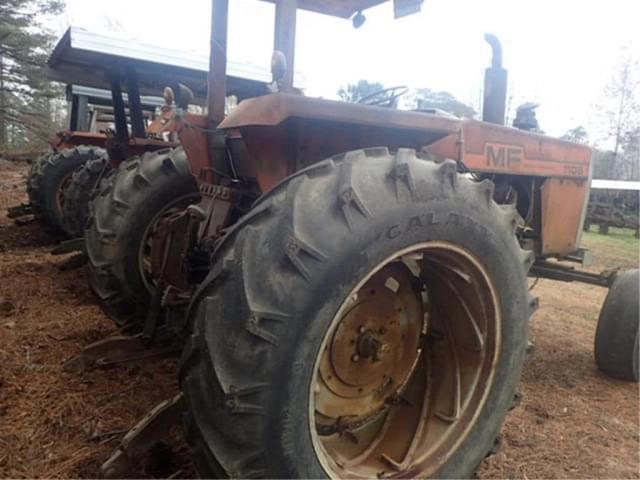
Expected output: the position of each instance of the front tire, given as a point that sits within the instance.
(119, 232)
(268, 373)
(617, 341)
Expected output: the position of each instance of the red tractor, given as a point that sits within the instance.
(113, 117)
(350, 280)
(61, 182)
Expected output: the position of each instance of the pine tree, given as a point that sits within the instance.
(26, 96)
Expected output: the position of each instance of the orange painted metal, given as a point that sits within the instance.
(481, 146)
(135, 146)
(272, 110)
(563, 206)
(271, 154)
(286, 132)
(494, 148)
(67, 139)
(192, 130)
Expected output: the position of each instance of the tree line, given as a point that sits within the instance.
(31, 107)
(620, 110)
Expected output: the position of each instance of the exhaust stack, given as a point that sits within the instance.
(495, 85)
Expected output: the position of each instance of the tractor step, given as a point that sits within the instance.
(142, 437)
(77, 261)
(69, 246)
(582, 256)
(118, 350)
(20, 211)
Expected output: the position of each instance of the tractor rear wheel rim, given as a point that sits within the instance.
(406, 365)
(62, 188)
(144, 254)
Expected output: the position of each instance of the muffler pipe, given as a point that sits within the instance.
(495, 85)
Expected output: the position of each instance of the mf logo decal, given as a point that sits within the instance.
(503, 156)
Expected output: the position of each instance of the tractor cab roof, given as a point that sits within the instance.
(82, 57)
(336, 8)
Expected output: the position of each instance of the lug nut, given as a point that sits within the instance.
(355, 357)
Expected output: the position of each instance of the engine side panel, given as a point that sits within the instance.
(493, 148)
(562, 214)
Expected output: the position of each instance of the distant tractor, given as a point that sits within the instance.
(351, 286)
(613, 203)
(107, 129)
(61, 182)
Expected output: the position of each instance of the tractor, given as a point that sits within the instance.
(349, 289)
(61, 182)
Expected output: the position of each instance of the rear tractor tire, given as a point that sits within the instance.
(120, 230)
(617, 343)
(49, 180)
(367, 318)
(79, 193)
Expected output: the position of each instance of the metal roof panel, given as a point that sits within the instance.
(614, 185)
(84, 58)
(336, 8)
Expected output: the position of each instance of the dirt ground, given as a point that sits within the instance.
(572, 423)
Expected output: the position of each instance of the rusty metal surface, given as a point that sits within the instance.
(217, 77)
(135, 146)
(193, 137)
(487, 147)
(502, 149)
(373, 349)
(274, 109)
(68, 139)
(116, 350)
(563, 202)
(144, 435)
(290, 132)
(163, 253)
(216, 206)
(171, 235)
(400, 411)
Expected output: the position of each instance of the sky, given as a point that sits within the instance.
(559, 53)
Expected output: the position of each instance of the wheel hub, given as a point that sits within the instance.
(372, 352)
